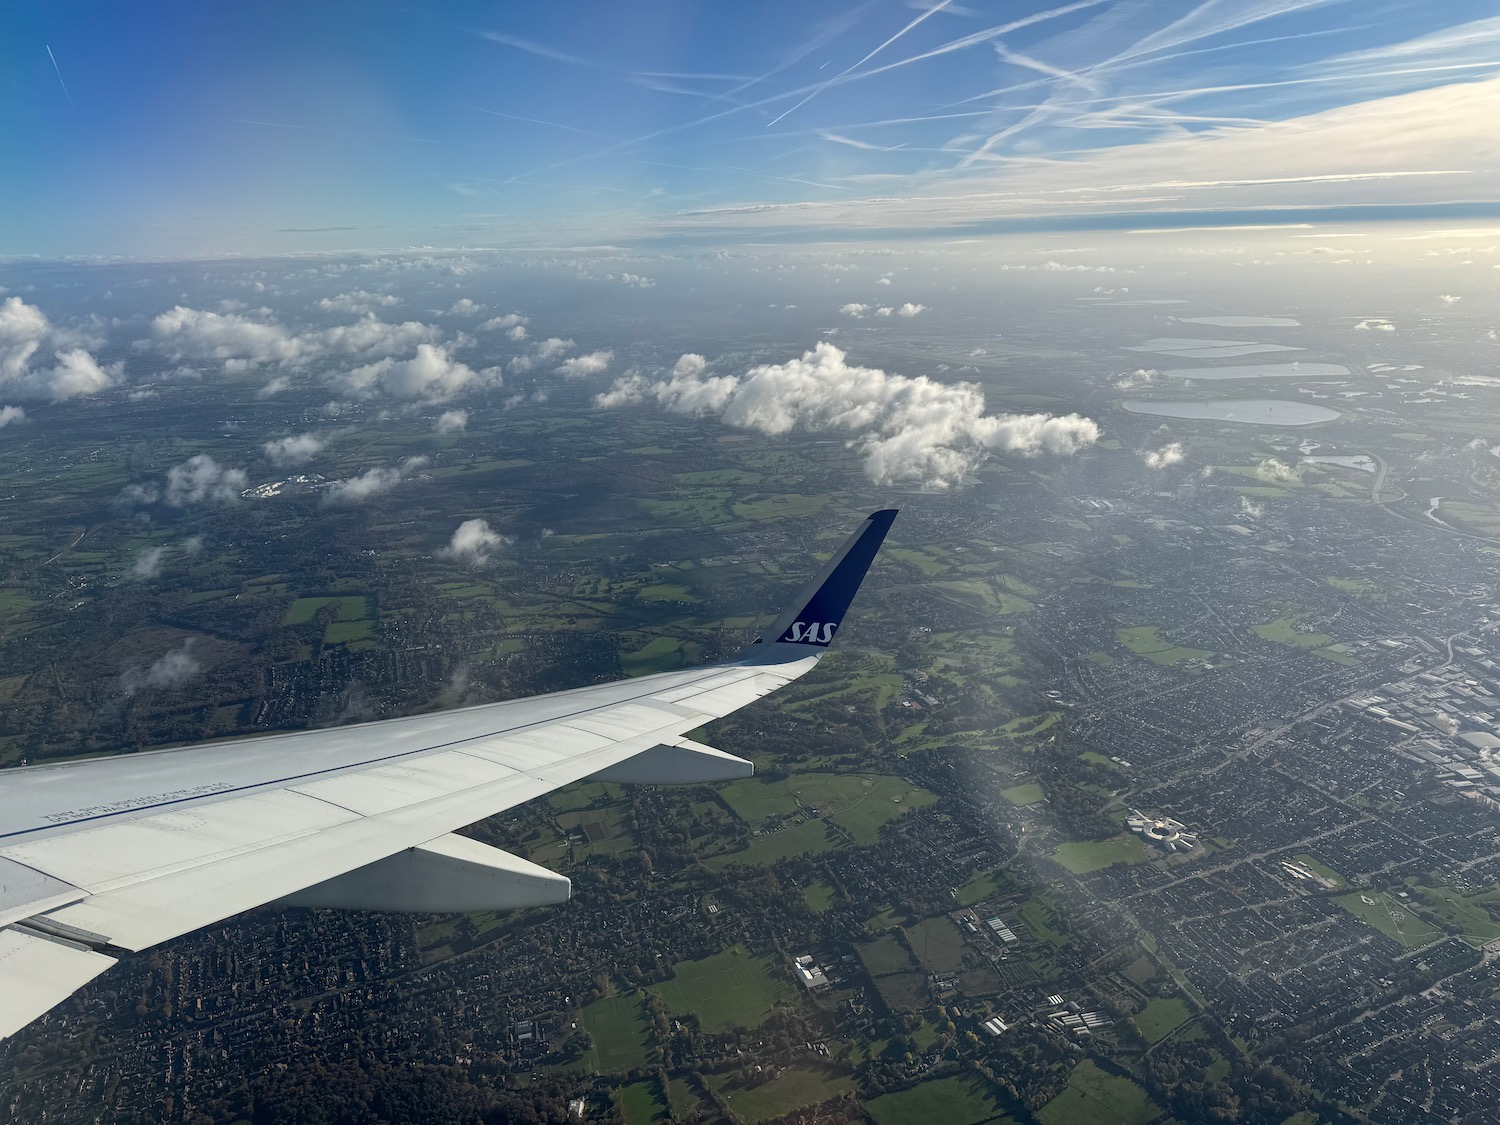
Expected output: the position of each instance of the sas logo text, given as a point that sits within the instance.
(814, 633)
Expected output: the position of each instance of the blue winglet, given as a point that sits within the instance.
(813, 619)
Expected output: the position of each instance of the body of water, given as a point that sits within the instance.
(1244, 321)
(1261, 371)
(1207, 349)
(1362, 461)
(1253, 411)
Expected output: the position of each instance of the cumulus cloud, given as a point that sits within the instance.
(634, 280)
(372, 482)
(451, 421)
(274, 387)
(359, 301)
(9, 414)
(474, 542)
(202, 480)
(173, 668)
(1161, 458)
(1138, 378)
(1375, 325)
(1277, 472)
(593, 363)
(148, 564)
(552, 347)
(1449, 298)
(464, 307)
(242, 343)
(509, 320)
(1251, 509)
(910, 309)
(295, 450)
(909, 429)
(854, 309)
(431, 374)
(24, 332)
(516, 333)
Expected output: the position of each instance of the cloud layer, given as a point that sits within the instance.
(25, 332)
(910, 430)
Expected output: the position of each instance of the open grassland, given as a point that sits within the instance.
(349, 608)
(951, 1101)
(1158, 1018)
(1470, 916)
(1083, 856)
(1095, 1097)
(938, 944)
(728, 990)
(642, 1103)
(808, 838)
(1028, 794)
(818, 896)
(621, 1032)
(1286, 631)
(1391, 917)
(859, 804)
(884, 955)
(798, 1085)
(1144, 640)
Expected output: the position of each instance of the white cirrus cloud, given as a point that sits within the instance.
(451, 421)
(430, 374)
(474, 542)
(1170, 454)
(202, 480)
(371, 483)
(24, 332)
(908, 428)
(594, 363)
(297, 449)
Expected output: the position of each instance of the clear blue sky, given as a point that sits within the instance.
(172, 128)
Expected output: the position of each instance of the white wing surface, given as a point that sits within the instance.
(102, 858)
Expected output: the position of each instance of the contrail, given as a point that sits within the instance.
(932, 11)
(58, 69)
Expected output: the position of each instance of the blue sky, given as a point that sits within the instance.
(183, 128)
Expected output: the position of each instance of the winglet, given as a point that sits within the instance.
(810, 623)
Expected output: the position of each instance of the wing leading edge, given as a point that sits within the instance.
(101, 858)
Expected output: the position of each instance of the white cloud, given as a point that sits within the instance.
(509, 320)
(909, 429)
(9, 414)
(552, 347)
(1449, 298)
(372, 482)
(360, 302)
(634, 280)
(854, 309)
(465, 307)
(451, 421)
(1277, 472)
(1251, 509)
(579, 366)
(202, 480)
(516, 333)
(1170, 454)
(431, 374)
(910, 309)
(474, 542)
(172, 669)
(1375, 325)
(294, 450)
(274, 387)
(24, 330)
(242, 343)
(147, 564)
(884, 310)
(1138, 378)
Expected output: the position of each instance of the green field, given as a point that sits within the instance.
(1158, 1018)
(621, 1033)
(343, 632)
(858, 804)
(1284, 631)
(661, 654)
(1144, 640)
(1390, 917)
(1094, 1097)
(1028, 794)
(884, 955)
(1082, 856)
(818, 897)
(904, 991)
(952, 1101)
(352, 608)
(728, 990)
(641, 1103)
(1312, 863)
(978, 889)
(808, 838)
(938, 944)
(798, 1085)
(1464, 915)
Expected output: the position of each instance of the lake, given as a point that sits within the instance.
(1261, 371)
(1253, 411)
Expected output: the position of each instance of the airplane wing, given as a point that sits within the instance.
(106, 857)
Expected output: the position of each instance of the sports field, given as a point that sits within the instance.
(1391, 917)
(728, 990)
(952, 1101)
(1095, 1097)
(621, 1034)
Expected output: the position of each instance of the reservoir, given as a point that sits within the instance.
(1244, 321)
(1253, 411)
(1207, 349)
(1261, 371)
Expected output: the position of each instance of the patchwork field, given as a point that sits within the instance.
(728, 990)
